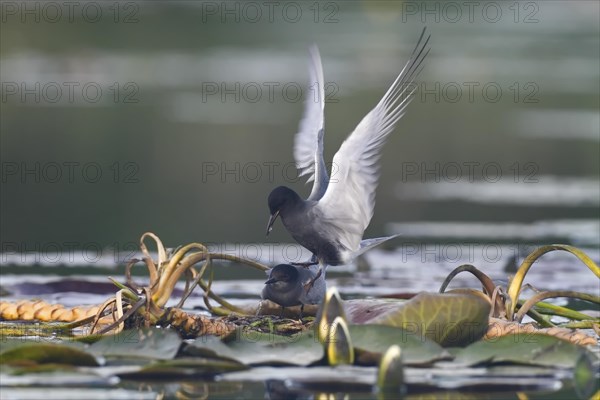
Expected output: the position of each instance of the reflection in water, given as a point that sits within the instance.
(558, 124)
(579, 232)
(540, 191)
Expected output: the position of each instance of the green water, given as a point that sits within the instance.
(164, 148)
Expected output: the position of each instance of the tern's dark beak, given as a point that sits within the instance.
(272, 280)
(272, 220)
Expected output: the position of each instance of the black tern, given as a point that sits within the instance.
(332, 220)
(285, 286)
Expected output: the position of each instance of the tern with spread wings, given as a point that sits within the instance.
(332, 220)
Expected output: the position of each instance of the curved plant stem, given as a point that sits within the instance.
(485, 280)
(229, 257)
(101, 312)
(191, 282)
(497, 299)
(550, 294)
(514, 288)
(162, 253)
(588, 324)
(78, 323)
(494, 294)
(540, 319)
(119, 298)
(123, 317)
(127, 292)
(552, 309)
(162, 294)
(227, 309)
(168, 277)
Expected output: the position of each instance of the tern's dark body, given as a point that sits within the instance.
(285, 286)
(305, 223)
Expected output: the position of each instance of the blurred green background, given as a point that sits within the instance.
(179, 117)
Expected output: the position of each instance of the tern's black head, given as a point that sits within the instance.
(281, 199)
(283, 273)
(284, 286)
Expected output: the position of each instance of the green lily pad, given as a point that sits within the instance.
(254, 348)
(185, 366)
(448, 319)
(152, 343)
(585, 376)
(54, 375)
(529, 349)
(32, 353)
(342, 378)
(371, 341)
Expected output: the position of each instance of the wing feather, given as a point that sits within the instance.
(350, 198)
(308, 142)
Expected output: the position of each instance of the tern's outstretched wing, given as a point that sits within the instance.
(348, 203)
(308, 142)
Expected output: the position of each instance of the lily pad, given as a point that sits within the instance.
(529, 349)
(31, 353)
(342, 378)
(448, 319)
(185, 366)
(153, 343)
(57, 377)
(586, 376)
(371, 341)
(256, 348)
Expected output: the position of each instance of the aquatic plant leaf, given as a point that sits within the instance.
(530, 349)
(207, 346)
(450, 319)
(185, 366)
(372, 341)
(426, 383)
(339, 348)
(390, 376)
(57, 377)
(586, 376)
(47, 353)
(517, 282)
(342, 378)
(248, 347)
(153, 343)
(331, 308)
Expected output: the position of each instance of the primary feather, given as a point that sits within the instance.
(308, 142)
(348, 203)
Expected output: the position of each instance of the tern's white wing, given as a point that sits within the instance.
(308, 142)
(348, 203)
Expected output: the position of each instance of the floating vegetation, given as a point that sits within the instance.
(452, 334)
(508, 309)
(390, 378)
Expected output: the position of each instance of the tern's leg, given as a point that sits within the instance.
(301, 311)
(313, 261)
(305, 264)
(311, 283)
